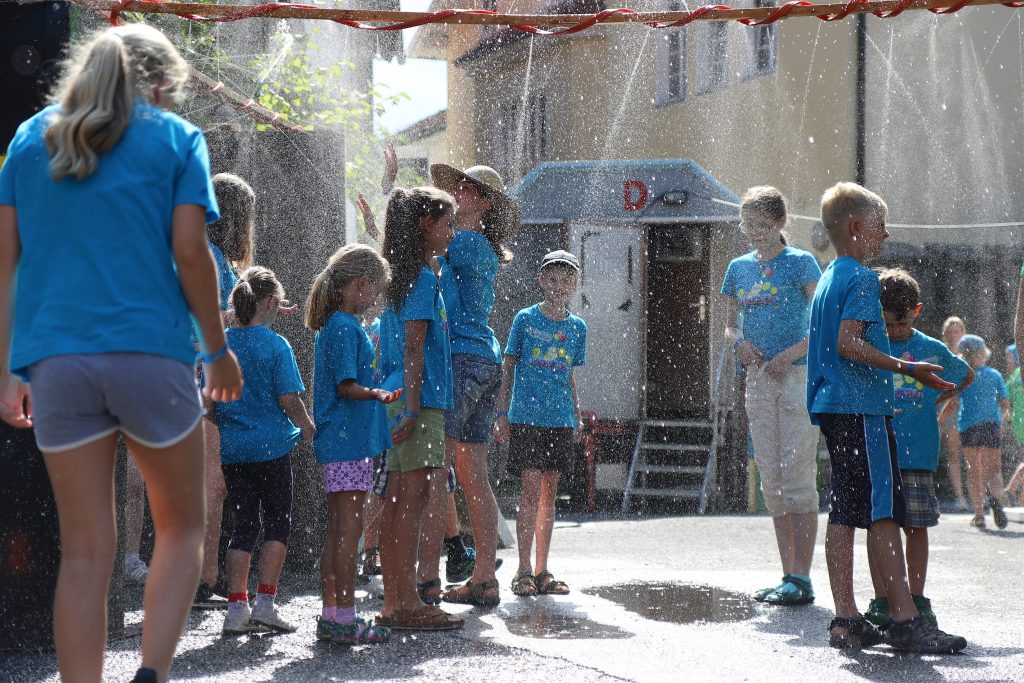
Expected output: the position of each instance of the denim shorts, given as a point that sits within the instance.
(476, 381)
(80, 398)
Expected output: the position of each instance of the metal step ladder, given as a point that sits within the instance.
(675, 459)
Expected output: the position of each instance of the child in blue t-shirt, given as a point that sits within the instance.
(257, 434)
(850, 396)
(351, 427)
(415, 356)
(543, 418)
(983, 407)
(916, 424)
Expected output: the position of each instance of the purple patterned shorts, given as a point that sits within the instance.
(355, 475)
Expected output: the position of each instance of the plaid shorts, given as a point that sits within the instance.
(922, 504)
(380, 476)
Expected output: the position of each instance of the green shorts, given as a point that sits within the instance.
(424, 447)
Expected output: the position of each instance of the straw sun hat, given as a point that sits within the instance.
(505, 211)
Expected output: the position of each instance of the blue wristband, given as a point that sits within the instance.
(408, 413)
(910, 369)
(736, 344)
(215, 356)
(502, 414)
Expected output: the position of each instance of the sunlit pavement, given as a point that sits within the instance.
(653, 600)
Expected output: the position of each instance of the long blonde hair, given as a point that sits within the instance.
(233, 231)
(347, 264)
(103, 77)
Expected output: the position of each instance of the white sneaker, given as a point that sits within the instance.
(135, 570)
(239, 621)
(267, 615)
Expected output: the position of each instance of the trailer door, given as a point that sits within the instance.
(610, 300)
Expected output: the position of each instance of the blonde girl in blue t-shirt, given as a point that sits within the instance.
(982, 409)
(351, 427)
(772, 286)
(108, 269)
(257, 435)
(415, 356)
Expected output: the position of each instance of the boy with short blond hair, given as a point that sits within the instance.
(850, 396)
(917, 432)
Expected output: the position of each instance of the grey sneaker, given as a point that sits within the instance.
(238, 621)
(267, 615)
(135, 570)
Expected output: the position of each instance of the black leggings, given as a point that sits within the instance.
(253, 486)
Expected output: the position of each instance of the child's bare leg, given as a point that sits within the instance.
(83, 485)
(545, 517)
(403, 510)
(272, 555)
(471, 463)
(452, 527)
(348, 506)
(886, 546)
(954, 461)
(1016, 486)
(216, 490)
(917, 558)
(993, 465)
(784, 538)
(236, 564)
(975, 479)
(805, 536)
(134, 509)
(175, 483)
(526, 519)
(327, 582)
(373, 508)
(431, 540)
(876, 581)
(839, 558)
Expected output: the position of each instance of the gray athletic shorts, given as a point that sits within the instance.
(80, 398)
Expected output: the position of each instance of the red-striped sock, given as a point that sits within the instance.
(265, 594)
(238, 597)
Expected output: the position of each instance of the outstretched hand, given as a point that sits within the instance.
(369, 221)
(385, 396)
(223, 379)
(15, 402)
(927, 374)
(387, 182)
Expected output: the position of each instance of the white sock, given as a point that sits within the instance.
(264, 600)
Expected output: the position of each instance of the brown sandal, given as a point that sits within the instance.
(523, 585)
(426, 618)
(474, 594)
(551, 586)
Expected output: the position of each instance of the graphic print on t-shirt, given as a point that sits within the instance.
(549, 350)
(764, 293)
(908, 389)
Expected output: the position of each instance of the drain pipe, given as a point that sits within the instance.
(860, 108)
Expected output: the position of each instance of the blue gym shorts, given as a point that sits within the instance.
(866, 482)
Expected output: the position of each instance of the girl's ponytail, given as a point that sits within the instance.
(254, 285)
(403, 235)
(349, 263)
(97, 94)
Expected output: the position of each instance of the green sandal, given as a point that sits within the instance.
(801, 593)
(760, 595)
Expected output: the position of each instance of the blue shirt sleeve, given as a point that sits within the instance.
(343, 350)
(580, 358)
(1001, 386)
(862, 300)
(420, 304)
(810, 271)
(729, 283)
(7, 174)
(514, 346)
(954, 367)
(286, 372)
(193, 184)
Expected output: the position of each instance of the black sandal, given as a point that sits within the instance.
(475, 594)
(523, 585)
(424, 590)
(860, 633)
(550, 586)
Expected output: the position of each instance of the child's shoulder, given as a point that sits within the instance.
(923, 341)
(577, 322)
(529, 311)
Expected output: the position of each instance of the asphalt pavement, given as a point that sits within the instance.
(652, 600)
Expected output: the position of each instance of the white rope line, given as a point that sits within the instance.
(919, 226)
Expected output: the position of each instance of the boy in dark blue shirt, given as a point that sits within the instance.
(850, 396)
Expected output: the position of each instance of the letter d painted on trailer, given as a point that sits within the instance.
(634, 195)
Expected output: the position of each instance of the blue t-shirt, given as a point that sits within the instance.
(474, 266)
(424, 302)
(96, 272)
(372, 330)
(847, 291)
(225, 276)
(254, 428)
(979, 402)
(346, 430)
(770, 295)
(547, 350)
(917, 416)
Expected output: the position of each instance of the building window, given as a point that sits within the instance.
(521, 137)
(713, 63)
(761, 56)
(670, 63)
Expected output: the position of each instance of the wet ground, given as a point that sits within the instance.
(652, 600)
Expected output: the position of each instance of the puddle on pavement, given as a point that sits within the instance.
(560, 627)
(678, 603)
